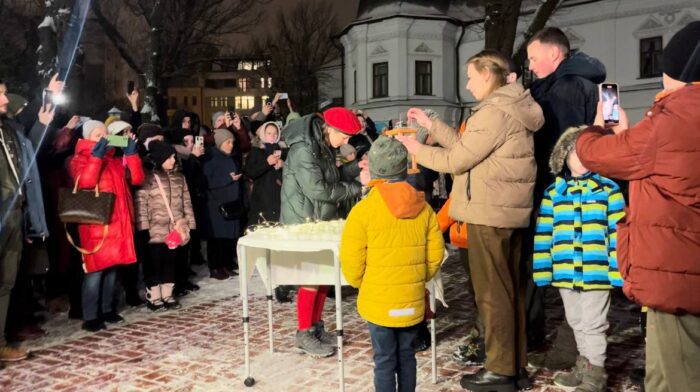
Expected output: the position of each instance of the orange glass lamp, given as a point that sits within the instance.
(410, 132)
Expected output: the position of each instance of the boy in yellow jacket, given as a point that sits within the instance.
(391, 246)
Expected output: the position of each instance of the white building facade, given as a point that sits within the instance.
(412, 53)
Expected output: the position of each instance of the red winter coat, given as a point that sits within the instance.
(658, 242)
(118, 247)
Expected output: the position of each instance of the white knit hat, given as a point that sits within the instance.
(90, 126)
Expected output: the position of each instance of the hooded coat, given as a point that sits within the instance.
(110, 174)
(390, 247)
(265, 198)
(311, 186)
(219, 189)
(493, 160)
(658, 241)
(569, 98)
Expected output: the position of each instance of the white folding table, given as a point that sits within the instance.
(302, 262)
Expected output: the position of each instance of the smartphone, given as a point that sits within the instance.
(83, 120)
(130, 87)
(231, 110)
(610, 96)
(199, 140)
(284, 96)
(277, 153)
(47, 98)
(117, 141)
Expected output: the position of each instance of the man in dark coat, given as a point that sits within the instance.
(567, 91)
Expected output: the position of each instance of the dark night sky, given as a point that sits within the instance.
(346, 10)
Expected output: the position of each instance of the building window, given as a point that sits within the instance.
(173, 102)
(245, 102)
(245, 65)
(269, 82)
(243, 84)
(185, 100)
(264, 99)
(650, 57)
(194, 100)
(229, 83)
(218, 102)
(424, 78)
(380, 77)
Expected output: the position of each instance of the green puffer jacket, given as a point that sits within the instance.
(311, 186)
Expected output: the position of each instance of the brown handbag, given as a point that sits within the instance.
(88, 207)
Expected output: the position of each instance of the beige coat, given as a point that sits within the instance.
(152, 214)
(493, 161)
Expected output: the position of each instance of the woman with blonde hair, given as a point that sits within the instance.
(494, 166)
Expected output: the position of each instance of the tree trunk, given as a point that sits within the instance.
(153, 68)
(500, 25)
(543, 13)
(50, 33)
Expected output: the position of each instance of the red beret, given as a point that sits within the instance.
(343, 120)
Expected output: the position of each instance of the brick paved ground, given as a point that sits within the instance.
(200, 348)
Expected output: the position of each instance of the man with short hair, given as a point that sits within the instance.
(567, 91)
(21, 204)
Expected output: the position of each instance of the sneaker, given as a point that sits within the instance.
(573, 378)
(113, 318)
(12, 354)
(171, 303)
(594, 379)
(94, 325)
(422, 340)
(155, 305)
(324, 336)
(307, 342)
(473, 353)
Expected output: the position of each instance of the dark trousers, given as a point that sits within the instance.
(10, 256)
(394, 358)
(182, 264)
(221, 252)
(160, 267)
(499, 287)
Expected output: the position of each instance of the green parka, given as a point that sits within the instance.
(311, 186)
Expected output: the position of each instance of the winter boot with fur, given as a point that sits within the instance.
(594, 379)
(169, 301)
(574, 377)
(154, 298)
(307, 342)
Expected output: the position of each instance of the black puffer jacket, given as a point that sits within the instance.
(569, 98)
(312, 186)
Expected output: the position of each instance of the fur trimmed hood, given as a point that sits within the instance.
(258, 142)
(566, 143)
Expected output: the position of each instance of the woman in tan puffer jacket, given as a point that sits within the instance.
(494, 167)
(153, 215)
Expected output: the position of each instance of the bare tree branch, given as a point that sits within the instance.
(115, 37)
(543, 13)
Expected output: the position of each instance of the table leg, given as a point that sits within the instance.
(268, 257)
(339, 322)
(433, 349)
(243, 276)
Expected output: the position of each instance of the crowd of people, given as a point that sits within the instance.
(545, 193)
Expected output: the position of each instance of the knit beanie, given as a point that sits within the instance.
(343, 120)
(90, 126)
(117, 126)
(347, 149)
(160, 152)
(15, 103)
(388, 159)
(148, 130)
(566, 143)
(681, 56)
(221, 135)
(215, 116)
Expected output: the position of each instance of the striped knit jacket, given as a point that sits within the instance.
(575, 235)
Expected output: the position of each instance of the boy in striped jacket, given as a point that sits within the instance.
(575, 252)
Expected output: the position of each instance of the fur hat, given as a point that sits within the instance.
(388, 159)
(90, 126)
(566, 143)
(221, 135)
